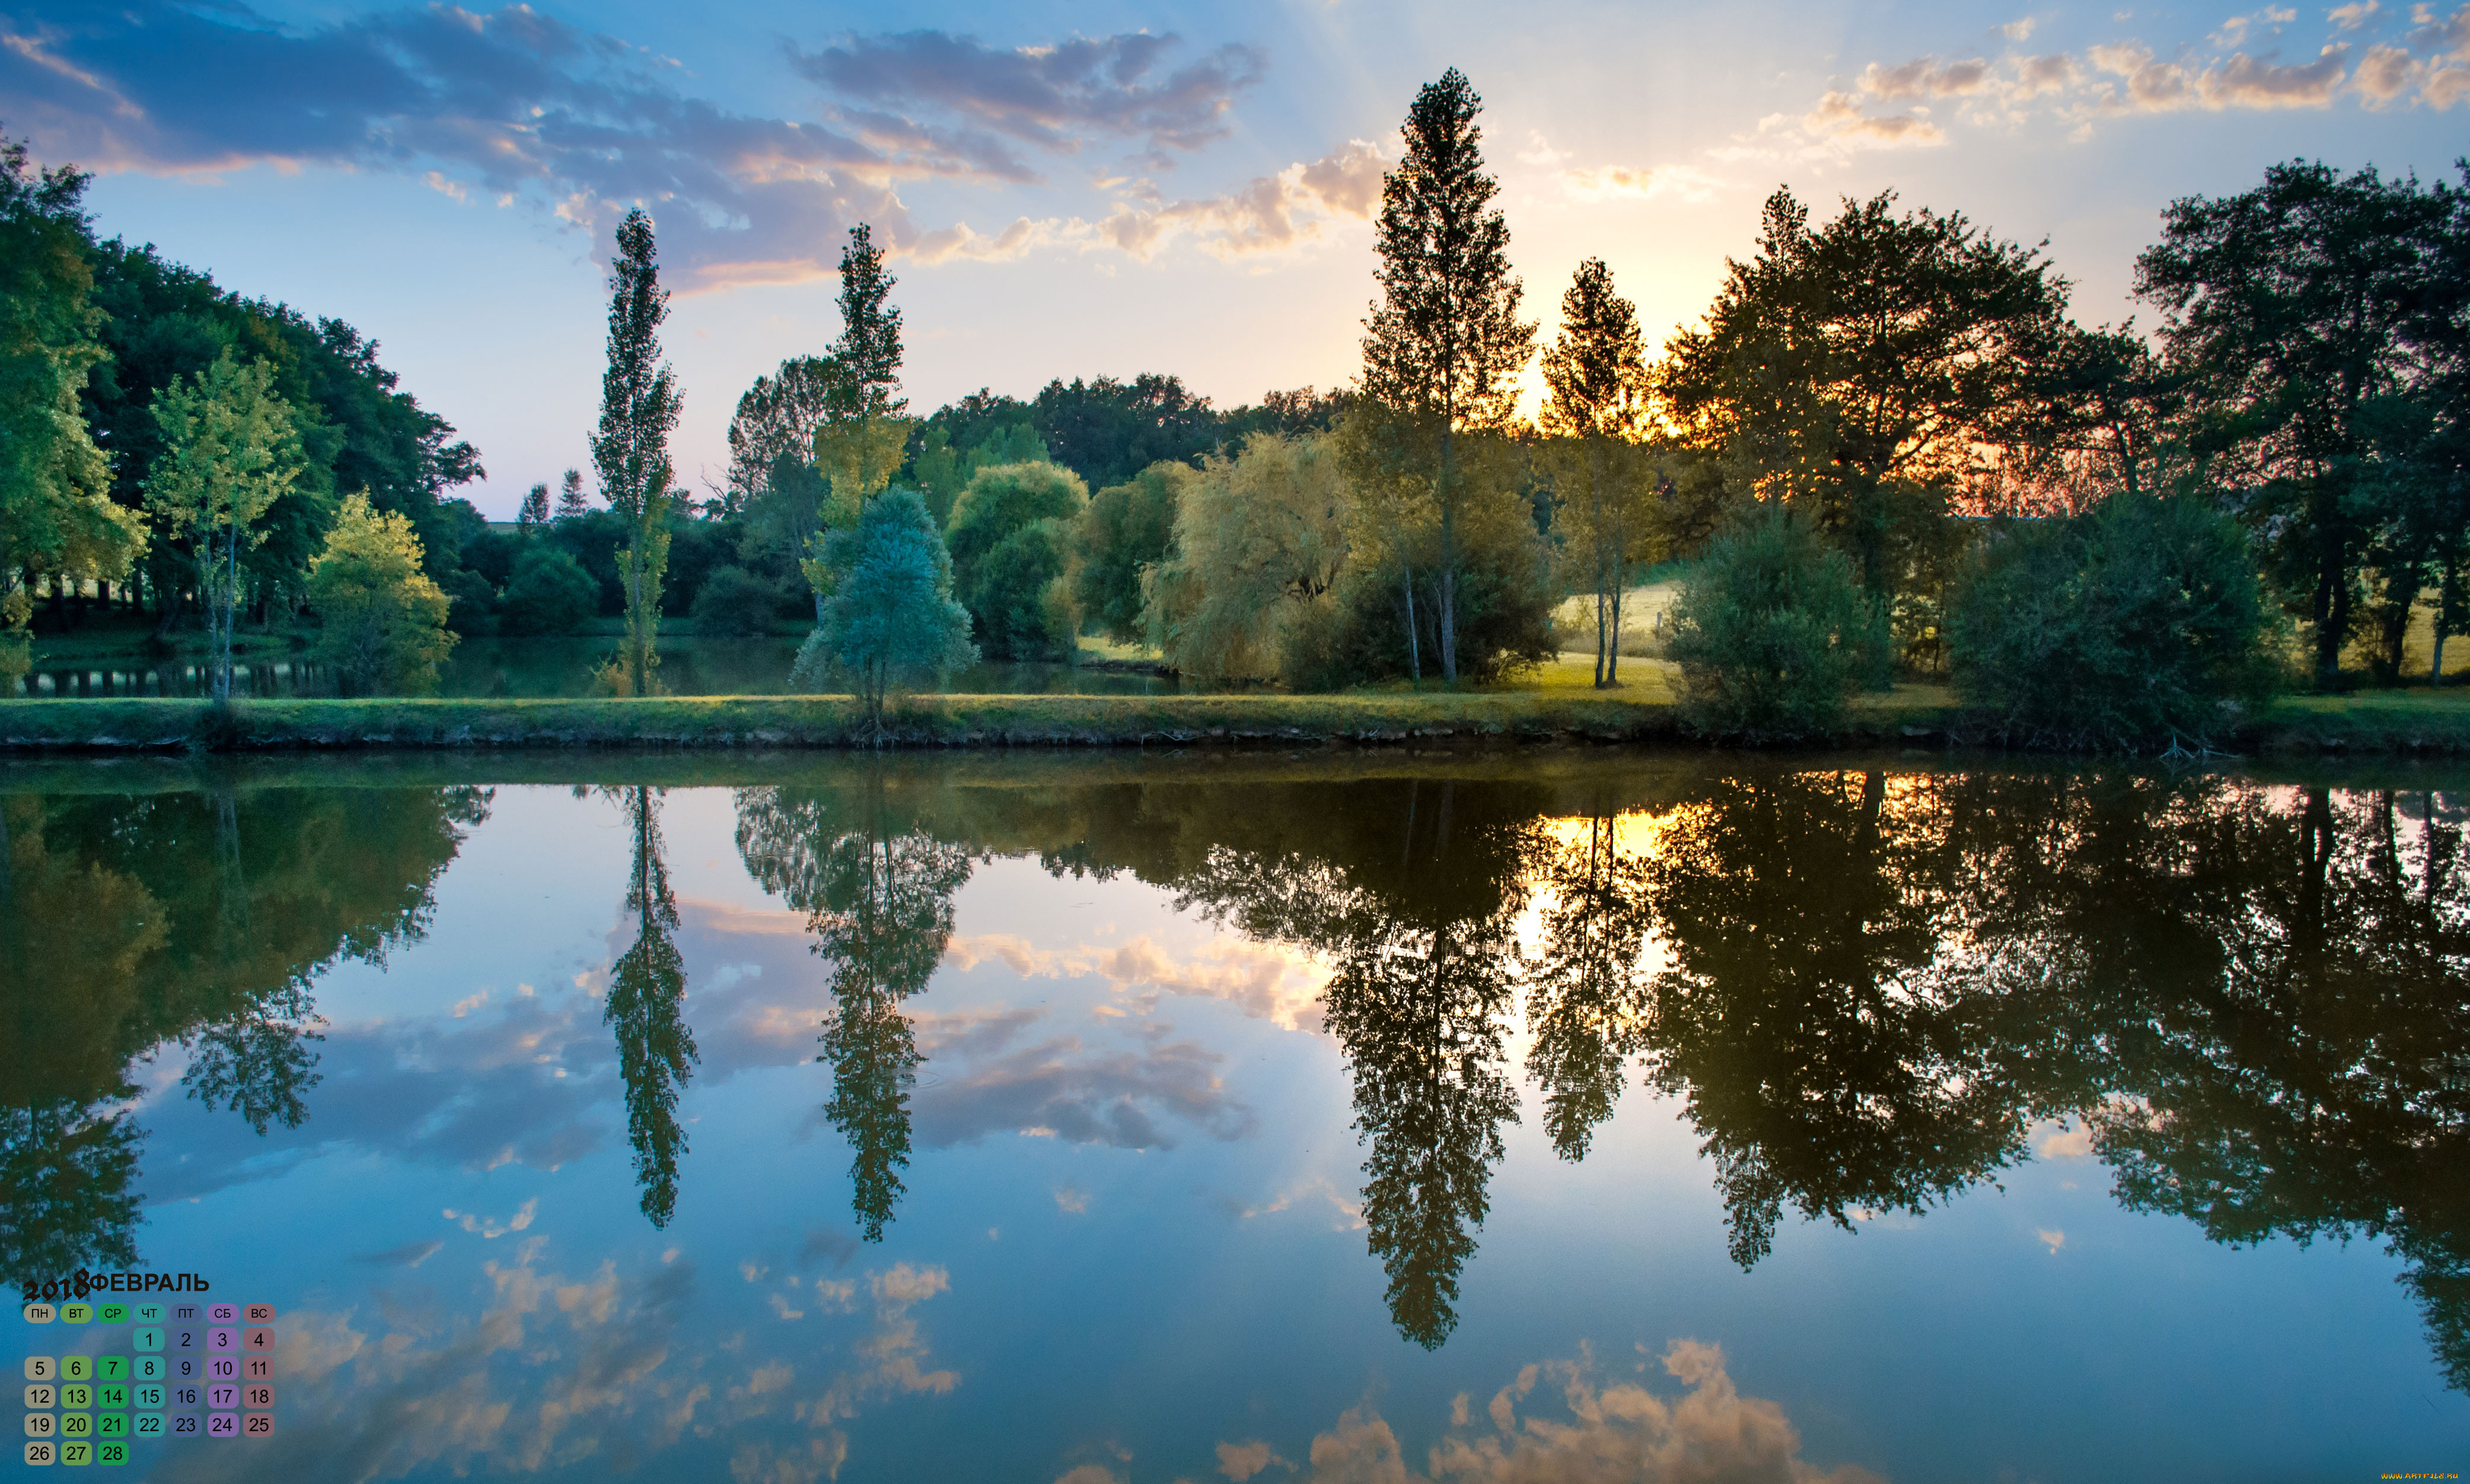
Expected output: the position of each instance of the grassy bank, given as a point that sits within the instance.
(932, 721)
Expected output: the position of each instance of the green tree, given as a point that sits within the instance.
(1772, 631)
(639, 409)
(1595, 376)
(1127, 529)
(2298, 310)
(1258, 539)
(550, 593)
(383, 620)
(891, 620)
(1444, 343)
(778, 416)
(1587, 1006)
(2136, 621)
(859, 445)
(1860, 367)
(1007, 544)
(57, 517)
(230, 450)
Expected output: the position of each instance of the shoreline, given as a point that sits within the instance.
(2371, 722)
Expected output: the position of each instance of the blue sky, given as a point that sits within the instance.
(1116, 188)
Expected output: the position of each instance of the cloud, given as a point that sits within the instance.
(1597, 1431)
(1839, 119)
(1266, 981)
(988, 1080)
(2017, 30)
(2352, 16)
(411, 1254)
(2067, 1142)
(1057, 97)
(1626, 183)
(1927, 78)
(1071, 1201)
(2051, 1240)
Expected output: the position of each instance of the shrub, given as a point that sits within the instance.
(385, 621)
(550, 593)
(734, 603)
(1773, 633)
(1007, 552)
(473, 600)
(2136, 621)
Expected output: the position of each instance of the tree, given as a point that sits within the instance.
(1107, 430)
(891, 620)
(1860, 366)
(777, 417)
(1258, 538)
(535, 511)
(1773, 633)
(639, 409)
(548, 594)
(57, 517)
(2298, 311)
(385, 621)
(858, 446)
(2138, 620)
(1128, 527)
(570, 496)
(230, 450)
(1595, 374)
(1006, 545)
(1445, 343)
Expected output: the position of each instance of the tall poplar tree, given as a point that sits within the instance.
(859, 445)
(638, 408)
(1596, 376)
(1445, 342)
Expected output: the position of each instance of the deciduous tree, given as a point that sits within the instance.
(1595, 375)
(638, 408)
(384, 621)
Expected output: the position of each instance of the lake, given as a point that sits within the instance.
(1536, 1115)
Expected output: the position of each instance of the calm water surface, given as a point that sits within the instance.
(1537, 1118)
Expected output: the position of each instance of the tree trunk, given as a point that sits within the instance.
(1414, 650)
(1611, 662)
(1448, 604)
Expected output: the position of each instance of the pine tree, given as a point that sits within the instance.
(570, 496)
(1596, 376)
(638, 408)
(1445, 342)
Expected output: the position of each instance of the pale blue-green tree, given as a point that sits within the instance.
(891, 622)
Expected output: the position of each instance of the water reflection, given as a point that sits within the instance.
(198, 916)
(878, 904)
(648, 990)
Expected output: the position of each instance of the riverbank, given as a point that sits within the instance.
(2378, 722)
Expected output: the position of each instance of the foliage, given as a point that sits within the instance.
(1857, 367)
(2301, 311)
(2139, 621)
(383, 619)
(548, 594)
(1257, 540)
(1007, 542)
(1445, 342)
(776, 418)
(891, 620)
(646, 1010)
(639, 409)
(1108, 430)
(1773, 633)
(1127, 528)
(57, 517)
(230, 451)
(1596, 379)
(734, 603)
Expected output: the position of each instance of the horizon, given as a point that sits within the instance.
(1175, 191)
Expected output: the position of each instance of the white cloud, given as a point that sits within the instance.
(2017, 30)
(1240, 1461)
(1644, 183)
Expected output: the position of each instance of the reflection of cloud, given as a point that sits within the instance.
(1617, 1431)
(2067, 1142)
(490, 1229)
(1069, 1200)
(1266, 981)
(2051, 1240)
(1240, 1461)
(985, 1082)
(411, 1254)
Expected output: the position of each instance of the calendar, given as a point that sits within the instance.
(107, 1381)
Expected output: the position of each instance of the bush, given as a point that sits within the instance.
(734, 603)
(1007, 552)
(550, 593)
(472, 600)
(383, 620)
(1356, 634)
(2136, 621)
(1773, 633)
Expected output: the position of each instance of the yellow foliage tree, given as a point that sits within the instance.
(384, 620)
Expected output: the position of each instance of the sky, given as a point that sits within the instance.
(1113, 188)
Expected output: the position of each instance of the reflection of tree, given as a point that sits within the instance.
(1419, 929)
(136, 919)
(648, 990)
(1584, 1003)
(1824, 1060)
(879, 905)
